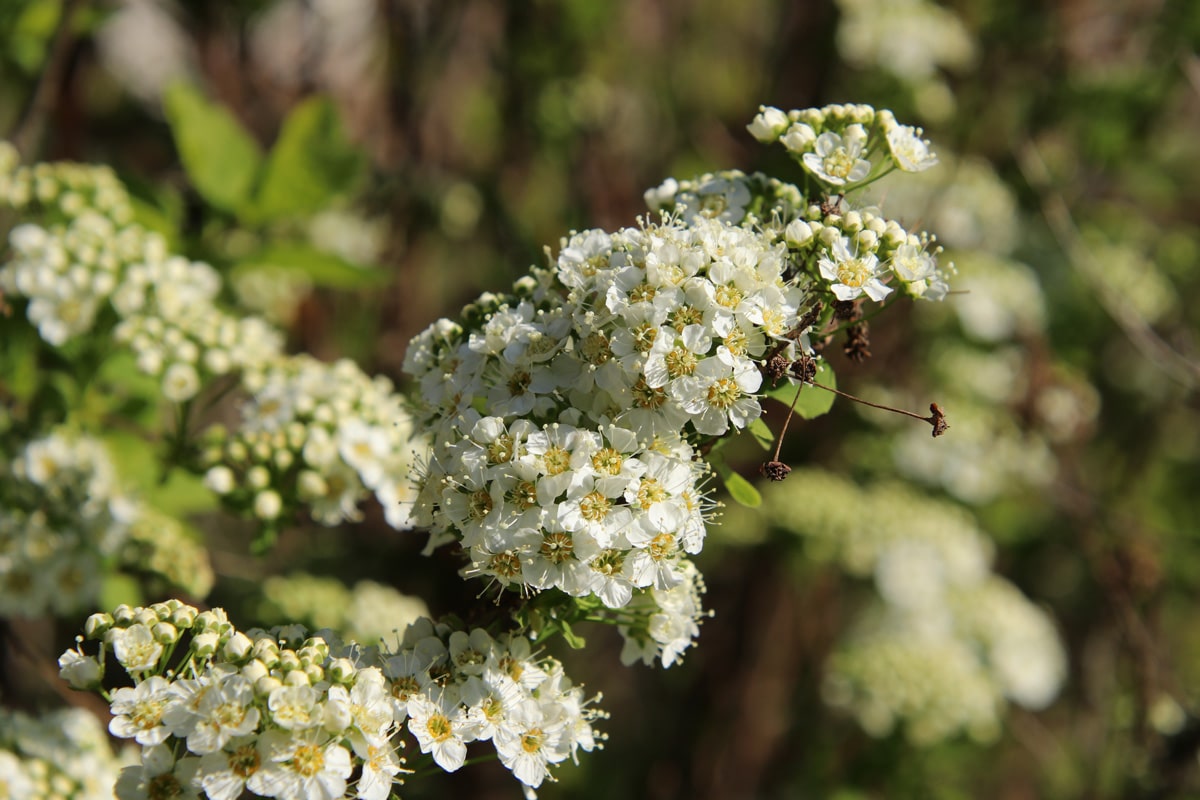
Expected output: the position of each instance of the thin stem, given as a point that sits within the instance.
(849, 396)
(786, 421)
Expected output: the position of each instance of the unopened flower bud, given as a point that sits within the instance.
(238, 646)
(253, 670)
(342, 670)
(184, 618)
(257, 477)
(297, 677)
(219, 479)
(97, 625)
(266, 684)
(165, 633)
(205, 644)
(268, 505)
(797, 233)
(799, 138)
(768, 124)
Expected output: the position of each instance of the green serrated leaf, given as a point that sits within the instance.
(309, 165)
(221, 157)
(323, 269)
(813, 401)
(762, 434)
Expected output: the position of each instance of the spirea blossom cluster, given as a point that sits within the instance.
(322, 435)
(63, 518)
(286, 714)
(567, 416)
(948, 642)
(59, 755)
(85, 268)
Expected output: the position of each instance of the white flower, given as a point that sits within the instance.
(138, 711)
(910, 152)
(225, 710)
(159, 776)
(223, 774)
(719, 393)
(294, 707)
(268, 504)
(768, 124)
(79, 671)
(301, 765)
(838, 160)
(852, 275)
(442, 727)
(136, 648)
(529, 741)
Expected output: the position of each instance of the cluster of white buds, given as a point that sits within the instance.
(85, 267)
(63, 518)
(57, 755)
(942, 618)
(286, 714)
(325, 435)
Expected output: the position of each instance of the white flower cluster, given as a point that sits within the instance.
(62, 520)
(911, 39)
(580, 476)
(89, 261)
(666, 622)
(287, 715)
(59, 755)
(566, 416)
(942, 613)
(326, 435)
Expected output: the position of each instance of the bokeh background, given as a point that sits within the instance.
(1069, 195)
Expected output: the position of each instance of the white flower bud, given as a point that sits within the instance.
(123, 614)
(315, 673)
(342, 670)
(867, 240)
(297, 677)
(268, 505)
(258, 477)
(266, 684)
(283, 459)
(219, 479)
(768, 124)
(238, 646)
(266, 651)
(797, 233)
(97, 625)
(799, 138)
(205, 644)
(145, 616)
(184, 617)
(254, 670)
(165, 633)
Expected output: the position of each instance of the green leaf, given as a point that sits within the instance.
(762, 434)
(221, 158)
(740, 489)
(309, 165)
(323, 269)
(813, 401)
